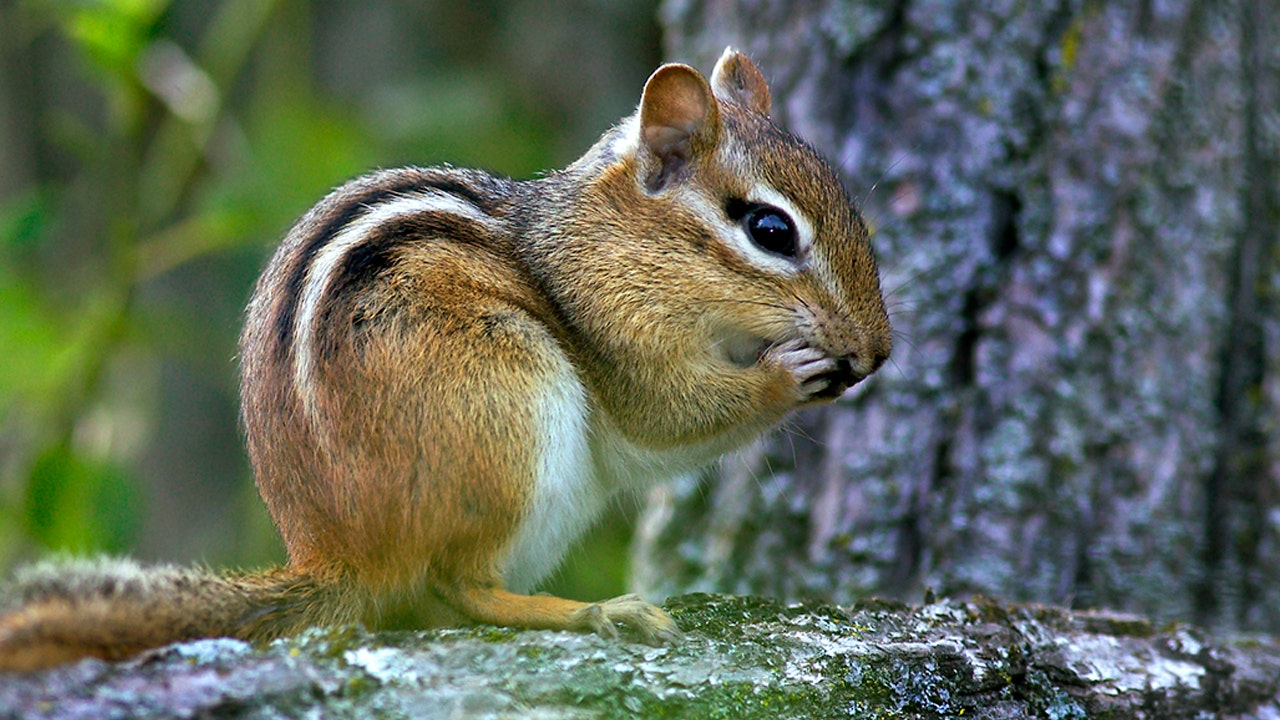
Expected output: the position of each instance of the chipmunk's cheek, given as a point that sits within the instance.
(742, 350)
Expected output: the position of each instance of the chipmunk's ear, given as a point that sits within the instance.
(679, 121)
(737, 80)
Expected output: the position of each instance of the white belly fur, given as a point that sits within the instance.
(584, 462)
(566, 497)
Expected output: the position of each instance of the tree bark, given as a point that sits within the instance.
(1076, 208)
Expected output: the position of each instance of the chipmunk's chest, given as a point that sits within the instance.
(583, 463)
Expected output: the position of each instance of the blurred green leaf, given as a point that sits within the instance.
(36, 356)
(77, 504)
(112, 32)
(301, 148)
(24, 224)
(32, 337)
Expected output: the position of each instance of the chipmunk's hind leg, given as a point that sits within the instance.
(489, 603)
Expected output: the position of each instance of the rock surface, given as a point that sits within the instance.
(743, 658)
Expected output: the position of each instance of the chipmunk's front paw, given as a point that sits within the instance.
(811, 368)
(648, 622)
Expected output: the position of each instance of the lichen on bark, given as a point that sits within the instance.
(743, 658)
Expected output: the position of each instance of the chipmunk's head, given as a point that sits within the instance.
(750, 237)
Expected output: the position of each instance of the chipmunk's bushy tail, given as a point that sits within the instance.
(62, 610)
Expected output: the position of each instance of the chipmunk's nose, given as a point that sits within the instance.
(871, 349)
(855, 367)
(869, 359)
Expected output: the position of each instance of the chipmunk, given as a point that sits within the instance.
(447, 376)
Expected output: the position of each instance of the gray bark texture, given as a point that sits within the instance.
(1076, 208)
(744, 658)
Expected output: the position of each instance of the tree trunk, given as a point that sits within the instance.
(1076, 209)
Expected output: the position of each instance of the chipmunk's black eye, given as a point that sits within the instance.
(767, 226)
(771, 229)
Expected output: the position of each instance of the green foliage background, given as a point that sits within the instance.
(152, 152)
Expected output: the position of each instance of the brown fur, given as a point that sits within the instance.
(426, 390)
(111, 609)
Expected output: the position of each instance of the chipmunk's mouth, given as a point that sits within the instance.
(839, 380)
